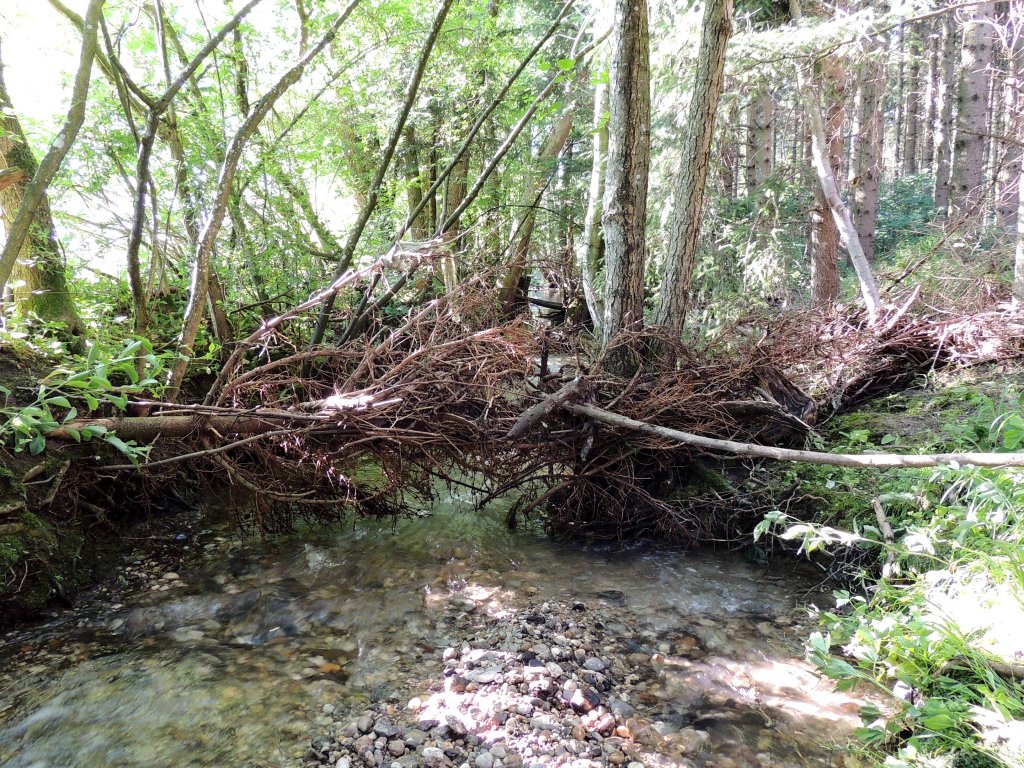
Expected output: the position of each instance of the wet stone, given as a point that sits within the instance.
(385, 728)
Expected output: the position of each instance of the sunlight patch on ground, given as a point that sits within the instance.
(990, 613)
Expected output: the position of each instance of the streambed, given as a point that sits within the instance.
(289, 652)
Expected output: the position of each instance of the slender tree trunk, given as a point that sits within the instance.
(208, 237)
(40, 285)
(866, 154)
(760, 130)
(830, 189)
(824, 235)
(413, 182)
(624, 215)
(899, 123)
(458, 182)
(728, 151)
(591, 256)
(914, 108)
(967, 177)
(540, 176)
(934, 47)
(1013, 150)
(35, 192)
(684, 231)
(946, 97)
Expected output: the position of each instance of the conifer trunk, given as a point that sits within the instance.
(684, 230)
(970, 150)
(624, 214)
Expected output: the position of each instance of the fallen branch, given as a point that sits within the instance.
(887, 534)
(535, 413)
(876, 460)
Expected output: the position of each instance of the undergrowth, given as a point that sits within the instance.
(931, 613)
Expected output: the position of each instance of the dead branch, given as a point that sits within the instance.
(875, 460)
(544, 408)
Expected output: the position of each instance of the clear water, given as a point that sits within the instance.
(232, 665)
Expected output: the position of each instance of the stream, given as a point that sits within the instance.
(253, 651)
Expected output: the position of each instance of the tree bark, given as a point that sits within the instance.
(970, 150)
(830, 189)
(760, 129)
(1008, 189)
(933, 45)
(35, 193)
(624, 214)
(40, 286)
(914, 107)
(591, 252)
(945, 97)
(684, 231)
(866, 151)
(824, 234)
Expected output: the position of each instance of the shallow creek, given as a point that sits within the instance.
(252, 649)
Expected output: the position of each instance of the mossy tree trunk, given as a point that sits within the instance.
(40, 286)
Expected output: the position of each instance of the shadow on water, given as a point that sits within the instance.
(235, 663)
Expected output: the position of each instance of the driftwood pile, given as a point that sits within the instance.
(456, 392)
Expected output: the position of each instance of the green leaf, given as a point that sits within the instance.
(91, 401)
(71, 414)
(566, 65)
(74, 433)
(941, 722)
(59, 400)
(875, 736)
(37, 445)
(888, 439)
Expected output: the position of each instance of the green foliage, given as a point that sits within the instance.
(100, 384)
(905, 208)
(929, 630)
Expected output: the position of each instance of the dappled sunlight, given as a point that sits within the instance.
(988, 611)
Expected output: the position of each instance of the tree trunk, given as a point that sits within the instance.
(970, 155)
(684, 230)
(943, 131)
(534, 190)
(1012, 149)
(760, 130)
(413, 183)
(19, 229)
(823, 243)
(914, 108)
(934, 48)
(822, 165)
(866, 153)
(625, 208)
(591, 256)
(199, 285)
(624, 215)
(40, 286)
(901, 105)
(728, 152)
